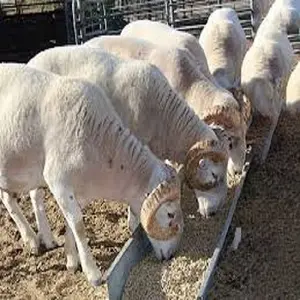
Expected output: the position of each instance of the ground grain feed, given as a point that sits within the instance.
(267, 263)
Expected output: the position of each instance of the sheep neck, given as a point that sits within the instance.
(144, 170)
(179, 128)
(201, 96)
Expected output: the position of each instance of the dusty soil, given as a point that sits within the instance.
(23, 276)
(267, 263)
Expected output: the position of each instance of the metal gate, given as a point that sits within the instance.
(92, 18)
(108, 17)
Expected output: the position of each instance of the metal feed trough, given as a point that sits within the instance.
(92, 18)
(138, 246)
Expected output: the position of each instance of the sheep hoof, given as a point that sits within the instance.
(72, 265)
(48, 243)
(33, 246)
(96, 279)
(72, 268)
(35, 251)
(96, 282)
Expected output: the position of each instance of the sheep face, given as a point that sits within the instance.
(236, 143)
(210, 172)
(229, 125)
(206, 174)
(162, 219)
(169, 215)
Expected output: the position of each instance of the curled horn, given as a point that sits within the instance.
(228, 117)
(168, 190)
(246, 109)
(210, 149)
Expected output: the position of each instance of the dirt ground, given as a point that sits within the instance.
(265, 266)
(23, 276)
(267, 263)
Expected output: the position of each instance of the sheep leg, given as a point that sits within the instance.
(28, 236)
(71, 251)
(45, 235)
(73, 215)
(133, 221)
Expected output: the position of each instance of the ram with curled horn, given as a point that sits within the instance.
(96, 157)
(199, 90)
(146, 103)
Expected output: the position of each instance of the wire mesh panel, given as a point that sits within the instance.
(192, 15)
(93, 18)
(96, 17)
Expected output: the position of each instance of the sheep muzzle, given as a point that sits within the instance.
(168, 190)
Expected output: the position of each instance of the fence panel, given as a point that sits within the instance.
(94, 17)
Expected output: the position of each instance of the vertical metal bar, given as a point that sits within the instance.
(252, 18)
(74, 16)
(105, 16)
(167, 12)
(172, 8)
(68, 29)
(82, 27)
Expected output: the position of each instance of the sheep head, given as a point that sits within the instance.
(230, 128)
(205, 172)
(161, 217)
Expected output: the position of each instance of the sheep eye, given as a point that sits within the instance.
(171, 216)
(230, 143)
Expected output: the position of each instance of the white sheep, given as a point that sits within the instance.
(265, 71)
(293, 91)
(163, 35)
(148, 106)
(210, 102)
(282, 16)
(224, 43)
(64, 133)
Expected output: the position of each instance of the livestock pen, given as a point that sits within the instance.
(45, 277)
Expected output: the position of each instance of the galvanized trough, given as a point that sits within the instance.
(138, 246)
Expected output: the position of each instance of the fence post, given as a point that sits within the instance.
(167, 13)
(67, 20)
(105, 16)
(74, 17)
(172, 7)
(252, 18)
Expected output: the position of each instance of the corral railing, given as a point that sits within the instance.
(108, 17)
(94, 17)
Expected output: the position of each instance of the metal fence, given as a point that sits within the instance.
(93, 17)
